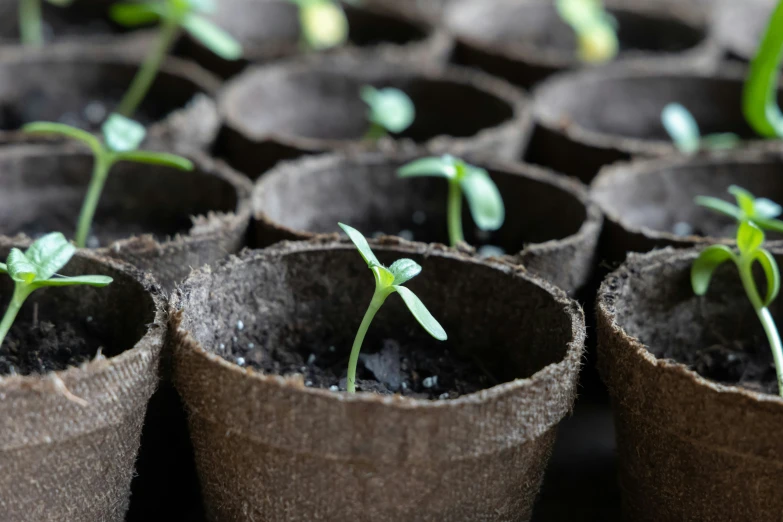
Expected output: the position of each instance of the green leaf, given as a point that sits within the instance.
(444, 167)
(135, 14)
(362, 245)
(3, 268)
(122, 134)
(720, 206)
(766, 209)
(19, 267)
(774, 225)
(213, 37)
(704, 266)
(682, 127)
(49, 254)
(404, 270)
(89, 280)
(390, 108)
(749, 237)
(420, 312)
(772, 273)
(156, 158)
(324, 24)
(744, 199)
(484, 199)
(60, 129)
(202, 6)
(383, 277)
(721, 141)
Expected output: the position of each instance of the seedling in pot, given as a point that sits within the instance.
(121, 139)
(37, 268)
(760, 94)
(390, 110)
(595, 29)
(761, 211)
(484, 200)
(323, 24)
(684, 131)
(30, 24)
(387, 281)
(172, 15)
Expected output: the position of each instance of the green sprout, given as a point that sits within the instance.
(323, 24)
(596, 30)
(759, 97)
(37, 268)
(121, 139)
(30, 25)
(685, 133)
(387, 281)
(390, 110)
(172, 15)
(484, 200)
(761, 211)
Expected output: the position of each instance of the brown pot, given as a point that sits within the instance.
(650, 204)
(369, 456)
(269, 30)
(739, 26)
(592, 118)
(312, 105)
(527, 41)
(690, 447)
(551, 226)
(68, 439)
(144, 216)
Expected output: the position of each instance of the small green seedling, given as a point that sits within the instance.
(750, 239)
(37, 268)
(685, 133)
(30, 24)
(759, 97)
(596, 30)
(484, 200)
(323, 24)
(761, 211)
(387, 281)
(121, 139)
(172, 15)
(390, 110)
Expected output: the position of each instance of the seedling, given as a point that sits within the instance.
(390, 110)
(596, 30)
(30, 24)
(37, 268)
(760, 94)
(387, 281)
(121, 139)
(323, 24)
(172, 15)
(685, 133)
(760, 211)
(484, 200)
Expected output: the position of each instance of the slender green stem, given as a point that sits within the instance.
(30, 28)
(103, 163)
(378, 299)
(761, 86)
(21, 291)
(455, 213)
(375, 132)
(149, 69)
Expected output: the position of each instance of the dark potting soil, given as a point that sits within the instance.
(386, 367)
(43, 347)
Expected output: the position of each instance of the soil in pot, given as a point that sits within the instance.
(591, 118)
(526, 41)
(305, 106)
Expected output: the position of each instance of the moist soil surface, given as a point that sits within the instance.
(385, 367)
(43, 347)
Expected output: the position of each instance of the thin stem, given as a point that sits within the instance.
(30, 28)
(375, 132)
(103, 163)
(378, 299)
(761, 85)
(149, 69)
(21, 291)
(455, 213)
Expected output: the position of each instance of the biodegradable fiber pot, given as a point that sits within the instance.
(312, 104)
(268, 447)
(592, 118)
(650, 204)
(159, 219)
(526, 41)
(551, 226)
(62, 460)
(739, 26)
(690, 447)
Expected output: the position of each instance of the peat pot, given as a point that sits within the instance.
(694, 393)
(739, 26)
(260, 342)
(69, 431)
(551, 226)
